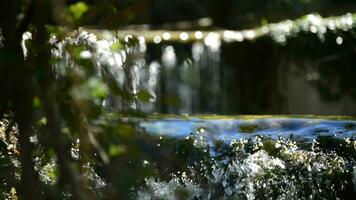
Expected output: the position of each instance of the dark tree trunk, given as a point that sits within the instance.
(17, 80)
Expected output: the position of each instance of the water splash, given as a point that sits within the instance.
(264, 169)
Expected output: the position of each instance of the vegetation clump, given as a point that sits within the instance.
(248, 128)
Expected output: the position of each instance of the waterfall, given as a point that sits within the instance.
(185, 86)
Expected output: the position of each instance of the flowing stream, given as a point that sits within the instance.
(254, 157)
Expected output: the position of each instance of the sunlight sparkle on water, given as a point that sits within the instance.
(166, 36)
(157, 39)
(339, 40)
(198, 35)
(184, 36)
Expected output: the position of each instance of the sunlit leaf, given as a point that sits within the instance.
(98, 88)
(36, 102)
(78, 9)
(42, 121)
(116, 46)
(116, 150)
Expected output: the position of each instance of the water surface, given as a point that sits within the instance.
(228, 128)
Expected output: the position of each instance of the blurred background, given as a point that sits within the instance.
(309, 72)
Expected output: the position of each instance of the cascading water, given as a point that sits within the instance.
(280, 158)
(222, 158)
(166, 77)
(188, 74)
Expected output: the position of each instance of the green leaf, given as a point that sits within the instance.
(116, 150)
(42, 121)
(75, 51)
(78, 9)
(116, 46)
(36, 102)
(97, 88)
(264, 22)
(144, 95)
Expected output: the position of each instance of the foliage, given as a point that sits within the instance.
(66, 137)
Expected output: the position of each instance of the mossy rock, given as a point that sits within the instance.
(248, 128)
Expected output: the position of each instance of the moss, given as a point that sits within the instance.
(248, 128)
(270, 146)
(252, 117)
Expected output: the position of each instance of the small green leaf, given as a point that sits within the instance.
(42, 121)
(116, 46)
(53, 175)
(144, 95)
(98, 89)
(116, 150)
(36, 102)
(264, 22)
(78, 9)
